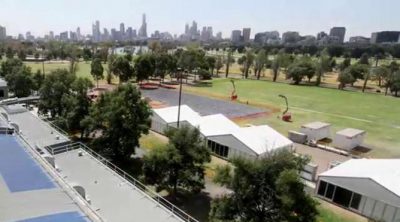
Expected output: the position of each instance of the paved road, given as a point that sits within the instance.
(201, 104)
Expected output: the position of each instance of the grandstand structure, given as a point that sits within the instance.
(44, 176)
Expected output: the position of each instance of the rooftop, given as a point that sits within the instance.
(260, 139)
(35, 131)
(114, 198)
(316, 125)
(350, 132)
(385, 172)
(27, 190)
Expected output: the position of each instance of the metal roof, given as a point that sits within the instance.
(350, 132)
(385, 172)
(35, 131)
(28, 190)
(114, 198)
(316, 125)
(260, 139)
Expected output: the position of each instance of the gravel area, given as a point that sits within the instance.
(201, 104)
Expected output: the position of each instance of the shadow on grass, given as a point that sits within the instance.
(196, 205)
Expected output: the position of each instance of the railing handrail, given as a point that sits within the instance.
(133, 181)
(76, 197)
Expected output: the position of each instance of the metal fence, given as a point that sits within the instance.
(134, 182)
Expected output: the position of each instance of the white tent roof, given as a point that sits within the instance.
(350, 132)
(385, 172)
(217, 124)
(316, 125)
(170, 114)
(260, 139)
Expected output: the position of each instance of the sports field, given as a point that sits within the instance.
(377, 114)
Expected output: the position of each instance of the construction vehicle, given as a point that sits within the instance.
(286, 116)
(233, 94)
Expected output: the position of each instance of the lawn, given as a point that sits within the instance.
(328, 215)
(377, 114)
(83, 67)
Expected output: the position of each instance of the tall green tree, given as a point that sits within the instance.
(228, 61)
(110, 67)
(145, 66)
(345, 77)
(323, 65)
(300, 69)
(180, 164)
(54, 92)
(219, 64)
(123, 69)
(211, 62)
(20, 81)
(266, 189)
(87, 54)
(120, 117)
(96, 70)
(260, 62)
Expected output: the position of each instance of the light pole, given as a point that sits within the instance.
(180, 95)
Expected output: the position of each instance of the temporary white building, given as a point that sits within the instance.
(348, 138)
(316, 130)
(370, 187)
(224, 137)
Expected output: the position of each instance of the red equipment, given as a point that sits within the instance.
(233, 94)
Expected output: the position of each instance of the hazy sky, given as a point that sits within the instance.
(361, 17)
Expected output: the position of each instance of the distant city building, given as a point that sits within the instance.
(122, 29)
(3, 33)
(307, 40)
(96, 34)
(359, 40)
(206, 34)
(267, 37)
(236, 36)
(143, 28)
(106, 35)
(64, 36)
(385, 37)
(321, 35)
(51, 35)
(78, 34)
(129, 34)
(219, 36)
(246, 34)
(20, 37)
(290, 37)
(73, 36)
(339, 33)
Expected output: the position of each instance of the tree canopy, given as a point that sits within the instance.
(266, 189)
(180, 163)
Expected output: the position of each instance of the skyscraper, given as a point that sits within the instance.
(236, 36)
(96, 34)
(3, 33)
(143, 28)
(338, 32)
(246, 34)
(78, 34)
(122, 28)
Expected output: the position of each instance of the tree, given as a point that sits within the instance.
(38, 79)
(110, 67)
(96, 70)
(78, 105)
(323, 65)
(346, 63)
(20, 81)
(219, 64)
(281, 60)
(8, 66)
(180, 163)
(9, 53)
(248, 61)
(265, 189)
(87, 54)
(300, 69)
(228, 61)
(364, 59)
(121, 117)
(36, 55)
(345, 77)
(395, 84)
(145, 66)
(260, 62)
(388, 75)
(211, 63)
(21, 54)
(123, 69)
(54, 92)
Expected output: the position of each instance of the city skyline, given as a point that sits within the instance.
(167, 16)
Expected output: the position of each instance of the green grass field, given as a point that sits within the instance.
(377, 114)
(83, 67)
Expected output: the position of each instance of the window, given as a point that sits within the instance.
(1, 93)
(355, 202)
(218, 149)
(322, 188)
(329, 191)
(342, 196)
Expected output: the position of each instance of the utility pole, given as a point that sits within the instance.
(180, 95)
